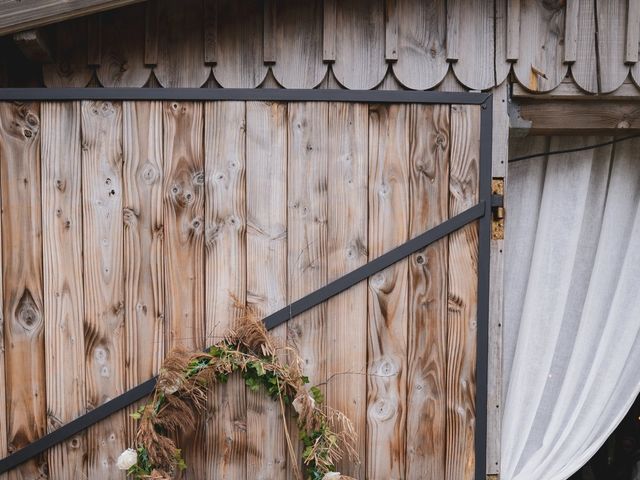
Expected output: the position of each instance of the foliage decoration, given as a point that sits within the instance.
(248, 350)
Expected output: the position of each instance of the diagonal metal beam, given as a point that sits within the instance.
(307, 302)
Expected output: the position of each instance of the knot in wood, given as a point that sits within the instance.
(27, 312)
(198, 178)
(149, 173)
(383, 409)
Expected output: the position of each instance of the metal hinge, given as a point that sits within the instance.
(497, 208)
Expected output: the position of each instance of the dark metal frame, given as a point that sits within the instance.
(481, 212)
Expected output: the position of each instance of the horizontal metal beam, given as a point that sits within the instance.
(243, 94)
(305, 303)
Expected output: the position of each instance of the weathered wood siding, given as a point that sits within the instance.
(353, 44)
(149, 220)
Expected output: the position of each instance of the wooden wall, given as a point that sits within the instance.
(127, 227)
(354, 44)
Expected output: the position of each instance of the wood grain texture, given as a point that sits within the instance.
(240, 44)
(475, 65)
(500, 154)
(633, 32)
(70, 68)
(329, 31)
(580, 118)
(225, 278)
(17, 16)
(346, 353)
(180, 44)
(103, 279)
(611, 38)
(584, 68)
(541, 29)
(63, 282)
(307, 239)
(269, 32)
(427, 330)
(266, 187)
(502, 64)
(143, 244)
(183, 157)
(571, 30)
(387, 317)
(513, 30)
(462, 296)
(299, 44)
(24, 340)
(391, 30)
(123, 48)
(360, 31)
(422, 35)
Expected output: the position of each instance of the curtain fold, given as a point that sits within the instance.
(572, 304)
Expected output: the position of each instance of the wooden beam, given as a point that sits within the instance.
(570, 91)
(269, 32)
(329, 32)
(35, 45)
(28, 14)
(575, 118)
(391, 31)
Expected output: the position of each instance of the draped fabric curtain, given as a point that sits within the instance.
(572, 303)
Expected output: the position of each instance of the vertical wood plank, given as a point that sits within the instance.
(462, 295)
(210, 32)
(240, 62)
(225, 277)
(501, 25)
(633, 32)
(184, 224)
(421, 43)
(24, 344)
(500, 152)
(360, 31)
(611, 38)
(180, 60)
(513, 30)
(123, 48)
(63, 287)
(269, 32)
(266, 186)
(183, 156)
(298, 39)
(143, 244)
(584, 69)
(453, 31)
(387, 338)
(475, 67)
(391, 30)
(329, 31)
(70, 68)
(307, 239)
(151, 33)
(540, 66)
(427, 331)
(347, 250)
(571, 31)
(103, 279)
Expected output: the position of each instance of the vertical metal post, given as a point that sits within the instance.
(484, 252)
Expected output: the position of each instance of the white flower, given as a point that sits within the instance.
(127, 459)
(298, 406)
(332, 476)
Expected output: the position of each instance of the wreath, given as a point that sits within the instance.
(181, 392)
